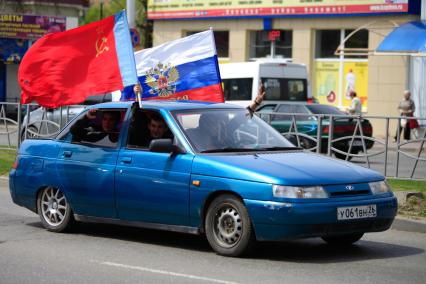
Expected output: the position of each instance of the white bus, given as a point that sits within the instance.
(282, 79)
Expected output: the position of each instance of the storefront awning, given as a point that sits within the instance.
(407, 39)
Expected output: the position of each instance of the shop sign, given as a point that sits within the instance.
(189, 9)
(12, 50)
(354, 78)
(29, 26)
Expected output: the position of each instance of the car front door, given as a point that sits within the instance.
(86, 167)
(152, 187)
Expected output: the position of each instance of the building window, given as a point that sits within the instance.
(221, 39)
(260, 45)
(327, 42)
(357, 40)
(336, 76)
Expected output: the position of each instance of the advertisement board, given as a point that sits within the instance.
(29, 26)
(188, 9)
(354, 78)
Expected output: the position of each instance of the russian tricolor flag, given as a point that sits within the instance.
(183, 69)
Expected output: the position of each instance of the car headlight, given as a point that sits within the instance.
(299, 191)
(379, 187)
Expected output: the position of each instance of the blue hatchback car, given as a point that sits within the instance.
(198, 168)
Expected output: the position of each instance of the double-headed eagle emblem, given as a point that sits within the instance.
(162, 79)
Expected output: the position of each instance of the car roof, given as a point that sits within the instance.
(168, 105)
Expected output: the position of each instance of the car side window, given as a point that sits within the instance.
(95, 127)
(145, 126)
(283, 109)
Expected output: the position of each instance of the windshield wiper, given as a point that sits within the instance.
(227, 149)
(279, 148)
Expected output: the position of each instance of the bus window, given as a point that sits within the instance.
(283, 89)
(238, 89)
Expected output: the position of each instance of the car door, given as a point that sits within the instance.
(86, 168)
(152, 187)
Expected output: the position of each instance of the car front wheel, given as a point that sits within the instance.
(341, 240)
(54, 210)
(228, 227)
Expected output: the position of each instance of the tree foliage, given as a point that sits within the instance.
(143, 25)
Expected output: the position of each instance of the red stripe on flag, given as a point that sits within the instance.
(212, 93)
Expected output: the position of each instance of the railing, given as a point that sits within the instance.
(345, 137)
(351, 138)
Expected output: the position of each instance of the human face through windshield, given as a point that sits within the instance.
(217, 130)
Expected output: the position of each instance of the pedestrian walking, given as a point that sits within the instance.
(406, 108)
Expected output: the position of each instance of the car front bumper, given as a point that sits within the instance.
(278, 220)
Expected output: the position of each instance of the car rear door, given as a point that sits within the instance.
(86, 171)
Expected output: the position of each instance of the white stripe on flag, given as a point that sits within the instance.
(188, 49)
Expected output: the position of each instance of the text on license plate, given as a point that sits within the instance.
(356, 212)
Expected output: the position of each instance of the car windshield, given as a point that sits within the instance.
(229, 130)
(324, 109)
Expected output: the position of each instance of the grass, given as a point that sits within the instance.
(7, 157)
(407, 185)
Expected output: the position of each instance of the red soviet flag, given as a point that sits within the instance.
(64, 68)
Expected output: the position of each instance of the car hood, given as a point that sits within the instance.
(290, 168)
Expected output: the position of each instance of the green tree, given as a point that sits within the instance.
(143, 25)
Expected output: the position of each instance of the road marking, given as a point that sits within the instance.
(189, 276)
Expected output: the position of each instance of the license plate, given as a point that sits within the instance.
(356, 212)
(355, 143)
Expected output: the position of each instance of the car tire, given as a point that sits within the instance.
(54, 210)
(343, 240)
(342, 156)
(228, 227)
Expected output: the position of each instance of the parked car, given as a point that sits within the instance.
(307, 125)
(221, 172)
(45, 122)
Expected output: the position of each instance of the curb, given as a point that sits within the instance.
(409, 225)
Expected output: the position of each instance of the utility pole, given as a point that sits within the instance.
(131, 10)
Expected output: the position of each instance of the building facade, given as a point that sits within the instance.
(306, 32)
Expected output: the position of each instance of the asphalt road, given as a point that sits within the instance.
(114, 254)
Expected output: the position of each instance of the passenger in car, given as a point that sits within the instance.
(147, 126)
(105, 134)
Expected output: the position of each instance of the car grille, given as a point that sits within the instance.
(349, 193)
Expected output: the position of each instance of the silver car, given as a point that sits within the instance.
(46, 123)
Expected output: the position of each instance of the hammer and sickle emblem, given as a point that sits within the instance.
(101, 45)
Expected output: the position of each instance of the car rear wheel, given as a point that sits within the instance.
(54, 210)
(228, 227)
(341, 240)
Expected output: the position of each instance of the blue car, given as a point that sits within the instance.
(199, 168)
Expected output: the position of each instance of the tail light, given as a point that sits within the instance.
(339, 129)
(15, 164)
(310, 101)
(367, 130)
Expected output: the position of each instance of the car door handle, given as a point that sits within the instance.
(126, 160)
(67, 154)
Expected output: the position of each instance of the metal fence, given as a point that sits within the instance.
(349, 138)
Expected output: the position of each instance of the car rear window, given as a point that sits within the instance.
(324, 109)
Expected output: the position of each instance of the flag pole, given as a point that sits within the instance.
(138, 95)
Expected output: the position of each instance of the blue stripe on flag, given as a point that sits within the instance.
(123, 44)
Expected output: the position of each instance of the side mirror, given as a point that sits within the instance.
(164, 146)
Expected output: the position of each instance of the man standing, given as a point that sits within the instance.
(356, 107)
